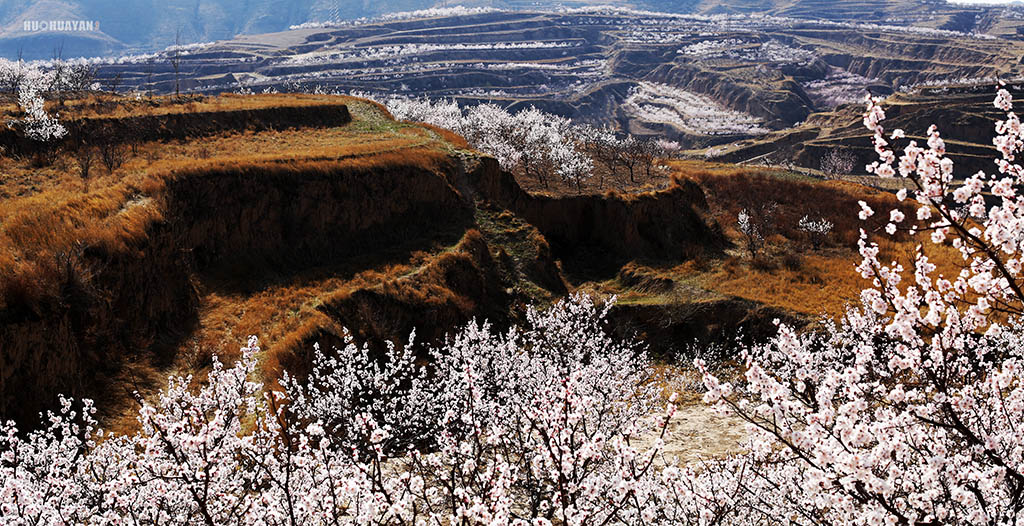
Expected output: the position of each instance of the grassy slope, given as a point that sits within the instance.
(789, 274)
(48, 215)
(491, 266)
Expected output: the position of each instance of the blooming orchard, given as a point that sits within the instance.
(536, 144)
(905, 412)
(688, 112)
(537, 425)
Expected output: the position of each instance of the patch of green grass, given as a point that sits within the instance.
(521, 241)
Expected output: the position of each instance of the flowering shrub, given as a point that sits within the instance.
(817, 231)
(837, 163)
(756, 223)
(31, 83)
(908, 410)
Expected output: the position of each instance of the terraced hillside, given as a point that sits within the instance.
(937, 14)
(698, 79)
(285, 216)
(300, 217)
(965, 116)
(133, 26)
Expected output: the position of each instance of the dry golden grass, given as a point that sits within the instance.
(109, 106)
(55, 219)
(280, 313)
(790, 274)
(826, 284)
(376, 133)
(46, 211)
(34, 230)
(288, 316)
(449, 136)
(47, 214)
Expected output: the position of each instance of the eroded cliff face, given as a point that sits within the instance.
(231, 229)
(665, 224)
(307, 213)
(109, 309)
(965, 117)
(115, 306)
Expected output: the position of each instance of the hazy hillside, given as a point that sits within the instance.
(695, 80)
(153, 24)
(147, 25)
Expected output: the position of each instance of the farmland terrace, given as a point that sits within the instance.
(703, 80)
(964, 114)
(295, 217)
(306, 218)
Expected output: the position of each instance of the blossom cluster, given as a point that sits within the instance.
(550, 423)
(756, 224)
(534, 142)
(907, 410)
(817, 231)
(821, 226)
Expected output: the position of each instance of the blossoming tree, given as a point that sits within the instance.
(32, 83)
(908, 411)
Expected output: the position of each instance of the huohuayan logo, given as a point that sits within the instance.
(61, 25)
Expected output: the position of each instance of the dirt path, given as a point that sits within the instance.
(698, 432)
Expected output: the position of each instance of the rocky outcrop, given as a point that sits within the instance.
(666, 224)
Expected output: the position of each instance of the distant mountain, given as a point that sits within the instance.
(105, 27)
(109, 27)
(121, 26)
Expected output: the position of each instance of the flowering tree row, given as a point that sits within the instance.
(436, 12)
(406, 50)
(754, 51)
(687, 111)
(537, 144)
(837, 88)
